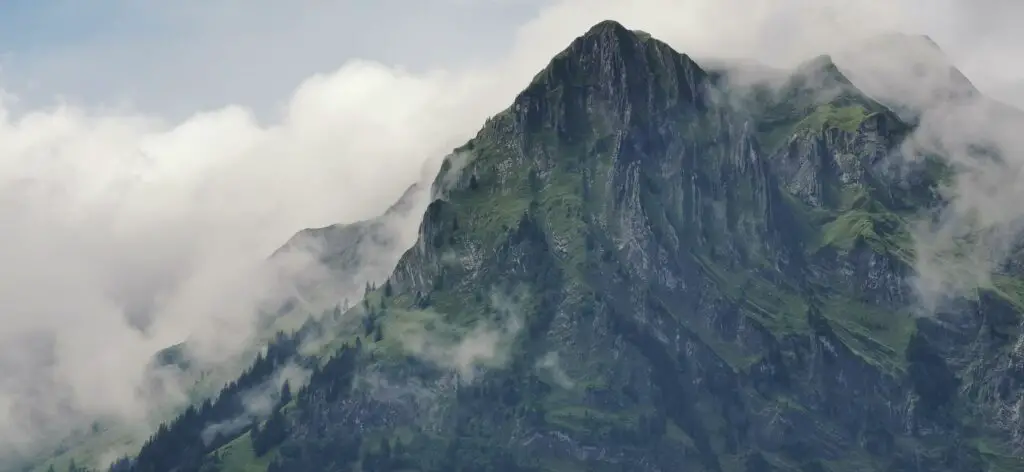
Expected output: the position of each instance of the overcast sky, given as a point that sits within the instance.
(193, 137)
(172, 58)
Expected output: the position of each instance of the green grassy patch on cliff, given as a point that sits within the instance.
(882, 231)
(878, 335)
(846, 118)
(1010, 288)
(777, 307)
(239, 456)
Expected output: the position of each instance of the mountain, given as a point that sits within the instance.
(336, 262)
(638, 267)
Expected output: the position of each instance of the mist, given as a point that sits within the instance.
(125, 234)
(127, 231)
(259, 402)
(487, 345)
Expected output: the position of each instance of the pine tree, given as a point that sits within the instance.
(286, 393)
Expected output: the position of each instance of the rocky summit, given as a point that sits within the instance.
(639, 267)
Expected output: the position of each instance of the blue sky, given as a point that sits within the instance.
(175, 57)
(30, 27)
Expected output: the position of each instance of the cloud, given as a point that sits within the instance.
(258, 403)
(970, 239)
(550, 363)
(487, 345)
(1011, 92)
(126, 232)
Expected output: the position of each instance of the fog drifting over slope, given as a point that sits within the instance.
(115, 216)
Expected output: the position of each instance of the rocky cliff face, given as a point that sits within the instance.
(636, 267)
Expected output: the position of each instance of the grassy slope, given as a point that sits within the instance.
(238, 456)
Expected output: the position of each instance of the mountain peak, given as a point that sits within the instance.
(907, 72)
(611, 29)
(928, 39)
(821, 72)
(606, 37)
(609, 64)
(607, 27)
(899, 39)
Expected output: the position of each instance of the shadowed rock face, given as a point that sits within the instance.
(638, 267)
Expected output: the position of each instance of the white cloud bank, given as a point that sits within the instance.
(110, 217)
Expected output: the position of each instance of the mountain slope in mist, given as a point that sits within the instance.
(325, 268)
(641, 265)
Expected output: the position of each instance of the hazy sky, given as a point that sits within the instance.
(172, 58)
(175, 57)
(152, 152)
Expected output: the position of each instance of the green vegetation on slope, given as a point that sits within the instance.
(846, 118)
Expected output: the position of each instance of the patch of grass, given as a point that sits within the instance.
(562, 204)
(589, 420)
(879, 336)
(799, 111)
(404, 328)
(882, 231)
(492, 216)
(998, 457)
(1009, 288)
(846, 118)
(238, 456)
(848, 229)
(730, 353)
(777, 308)
(676, 434)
